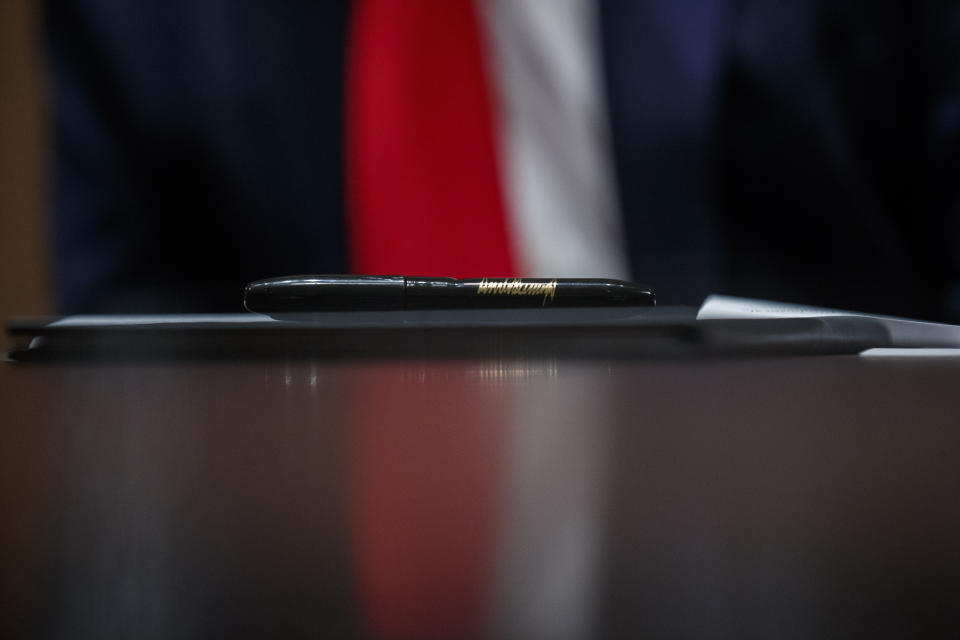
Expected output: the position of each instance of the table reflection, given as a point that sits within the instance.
(496, 498)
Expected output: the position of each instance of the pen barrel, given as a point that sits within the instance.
(487, 293)
(325, 293)
(313, 293)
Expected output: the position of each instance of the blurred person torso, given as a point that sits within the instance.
(803, 151)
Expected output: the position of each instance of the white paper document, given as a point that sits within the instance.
(904, 333)
(910, 353)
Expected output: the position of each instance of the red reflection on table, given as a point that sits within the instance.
(426, 506)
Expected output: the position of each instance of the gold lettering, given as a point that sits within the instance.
(518, 287)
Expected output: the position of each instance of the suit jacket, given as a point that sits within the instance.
(804, 151)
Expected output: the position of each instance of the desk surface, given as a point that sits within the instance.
(543, 498)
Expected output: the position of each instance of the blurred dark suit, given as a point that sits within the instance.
(803, 151)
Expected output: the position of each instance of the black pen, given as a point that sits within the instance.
(353, 293)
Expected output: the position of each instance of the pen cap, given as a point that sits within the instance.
(324, 293)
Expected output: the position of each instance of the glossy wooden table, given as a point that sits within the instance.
(807, 497)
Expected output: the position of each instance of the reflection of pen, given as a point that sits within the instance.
(350, 293)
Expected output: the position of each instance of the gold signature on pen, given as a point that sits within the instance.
(517, 287)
